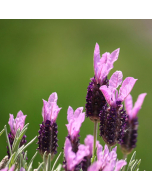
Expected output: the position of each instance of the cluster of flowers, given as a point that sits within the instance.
(103, 106)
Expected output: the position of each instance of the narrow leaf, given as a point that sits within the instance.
(1, 132)
(9, 146)
(40, 166)
(56, 161)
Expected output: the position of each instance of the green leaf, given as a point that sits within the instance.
(9, 146)
(40, 168)
(18, 138)
(11, 160)
(133, 156)
(1, 132)
(135, 166)
(31, 161)
(30, 166)
(58, 168)
(56, 161)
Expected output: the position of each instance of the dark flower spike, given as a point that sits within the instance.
(102, 66)
(113, 118)
(130, 136)
(47, 139)
(15, 124)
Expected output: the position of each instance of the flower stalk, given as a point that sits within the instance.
(95, 139)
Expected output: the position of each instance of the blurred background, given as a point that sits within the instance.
(38, 57)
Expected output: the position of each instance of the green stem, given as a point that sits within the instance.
(95, 137)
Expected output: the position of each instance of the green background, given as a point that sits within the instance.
(38, 57)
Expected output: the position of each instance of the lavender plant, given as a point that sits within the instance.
(104, 105)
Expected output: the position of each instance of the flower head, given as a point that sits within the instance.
(111, 94)
(50, 109)
(47, 139)
(106, 161)
(72, 159)
(130, 136)
(103, 65)
(17, 123)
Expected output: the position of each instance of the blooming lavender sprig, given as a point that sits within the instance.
(73, 159)
(113, 118)
(47, 139)
(106, 160)
(75, 120)
(102, 66)
(130, 137)
(15, 124)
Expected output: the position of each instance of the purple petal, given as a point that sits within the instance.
(95, 166)
(106, 150)
(50, 109)
(107, 93)
(116, 79)
(103, 73)
(126, 88)
(109, 166)
(44, 110)
(69, 154)
(128, 104)
(96, 56)
(4, 169)
(11, 123)
(20, 114)
(99, 152)
(12, 168)
(112, 58)
(75, 120)
(120, 164)
(22, 169)
(77, 112)
(104, 58)
(69, 113)
(53, 97)
(138, 104)
(81, 153)
(114, 55)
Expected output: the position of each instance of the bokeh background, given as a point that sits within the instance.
(38, 57)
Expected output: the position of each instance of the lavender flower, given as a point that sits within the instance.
(15, 124)
(102, 66)
(47, 139)
(73, 159)
(75, 119)
(113, 118)
(106, 161)
(87, 159)
(130, 137)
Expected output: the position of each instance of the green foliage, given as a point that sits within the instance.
(133, 163)
(1, 132)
